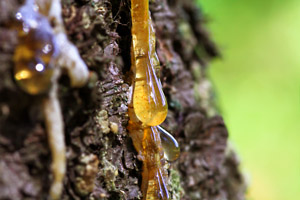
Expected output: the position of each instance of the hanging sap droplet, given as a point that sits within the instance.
(149, 102)
(170, 145)
(33, 76)
(35, 54)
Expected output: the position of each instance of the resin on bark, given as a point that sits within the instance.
(36, 52)
(148, 107)
(149, 102)
(38, 58)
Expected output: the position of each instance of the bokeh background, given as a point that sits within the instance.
(258, 85)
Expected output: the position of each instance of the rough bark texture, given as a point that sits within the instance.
(102, 163)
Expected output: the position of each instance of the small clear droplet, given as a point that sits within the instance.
(170, 145)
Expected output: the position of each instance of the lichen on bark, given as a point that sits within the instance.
(101, 160)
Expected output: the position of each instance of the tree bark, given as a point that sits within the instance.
(101, 160)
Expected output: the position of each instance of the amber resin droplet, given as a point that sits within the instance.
(169, 144)
(35, 54)
(149, 102)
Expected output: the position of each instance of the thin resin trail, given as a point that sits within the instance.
(147, 142)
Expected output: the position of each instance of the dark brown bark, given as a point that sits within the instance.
(99, 150)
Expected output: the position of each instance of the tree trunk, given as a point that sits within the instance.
(101, 160)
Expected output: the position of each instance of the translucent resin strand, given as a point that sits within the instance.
(149, 103)
(153, 183)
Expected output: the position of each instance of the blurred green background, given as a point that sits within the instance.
(258, 86)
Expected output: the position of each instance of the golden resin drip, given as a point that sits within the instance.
(149, 103)
(169, 144)
(35, 52)
(148, 107)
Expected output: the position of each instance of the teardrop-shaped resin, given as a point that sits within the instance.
(36, 51)
(33, 76)
(149, 102)
(170, 145)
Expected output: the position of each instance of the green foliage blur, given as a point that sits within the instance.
(258, 86)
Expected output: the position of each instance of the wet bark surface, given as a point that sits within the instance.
(101, 160)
